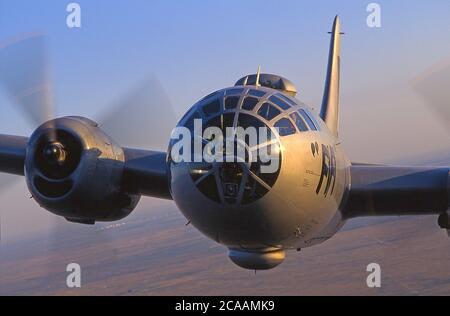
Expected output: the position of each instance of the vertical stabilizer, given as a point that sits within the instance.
(330, 104)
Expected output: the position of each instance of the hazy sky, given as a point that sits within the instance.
(195, 47)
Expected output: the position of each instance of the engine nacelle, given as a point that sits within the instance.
(73, 169)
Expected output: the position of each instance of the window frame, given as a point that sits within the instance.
(294, 129)
(308, 120)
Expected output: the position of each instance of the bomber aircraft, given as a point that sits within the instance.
(250, 166)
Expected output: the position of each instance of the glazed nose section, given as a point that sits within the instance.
(234, 170)
(237, 172)
(234, 154)
(233, 177)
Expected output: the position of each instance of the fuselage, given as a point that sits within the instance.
(295, 206)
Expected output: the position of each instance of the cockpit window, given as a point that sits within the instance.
(246, 121)
(208, 186)
(237, 91)
(231, 102)
(251, 168)
(285, 98)
(190, 121)
(313, 118)
(249, 103)
(285, 127)
(268, 111)
(253, 191)
(227, 121)
(216, 121)
(256, 93)
(282, 104)
(301, 125)
(308, 120)
(209, 96)
(212, 107)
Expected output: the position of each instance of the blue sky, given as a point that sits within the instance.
(197, 41)
(195, 47)
(211, 43)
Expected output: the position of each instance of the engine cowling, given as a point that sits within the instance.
(73, 169)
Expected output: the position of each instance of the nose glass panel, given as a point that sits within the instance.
(240, 155)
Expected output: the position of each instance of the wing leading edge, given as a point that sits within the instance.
(389, 191)
(145, 171)
(12, 154)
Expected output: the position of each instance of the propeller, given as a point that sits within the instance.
(25, 76)
(432, 86)
(142, 118)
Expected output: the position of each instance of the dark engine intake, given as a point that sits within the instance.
(74, 170)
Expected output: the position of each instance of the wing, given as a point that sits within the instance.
(12, 154)
(387, 190)
(144, 171)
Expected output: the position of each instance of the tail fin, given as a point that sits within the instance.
(330, 104)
